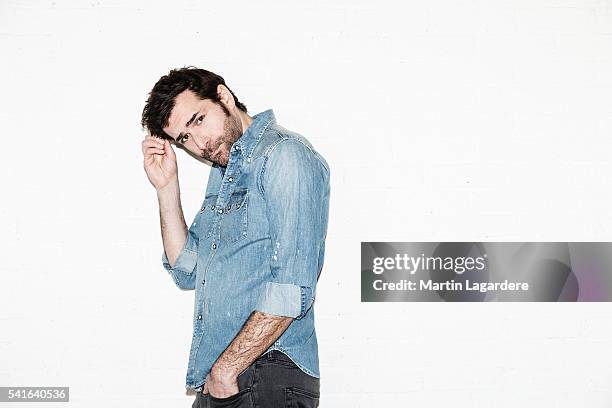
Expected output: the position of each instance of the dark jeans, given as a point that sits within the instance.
(272, 381)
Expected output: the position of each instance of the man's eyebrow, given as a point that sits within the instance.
(180, 136)
(191, 120)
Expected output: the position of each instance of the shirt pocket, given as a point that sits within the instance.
(235, 217)
(206, 215)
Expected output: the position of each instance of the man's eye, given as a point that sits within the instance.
(200, 119)
(184, 139)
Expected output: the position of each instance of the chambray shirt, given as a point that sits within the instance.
(257, 244)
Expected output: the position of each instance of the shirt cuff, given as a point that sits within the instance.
(185, 262)
(183, 267)
(285, 299)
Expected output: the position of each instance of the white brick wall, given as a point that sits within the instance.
(442, 120)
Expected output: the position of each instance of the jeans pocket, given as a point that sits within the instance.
(296, 397)
(242, 399)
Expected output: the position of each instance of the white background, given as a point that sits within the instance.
(441, 121)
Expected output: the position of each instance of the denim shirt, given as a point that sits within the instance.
(257, 244)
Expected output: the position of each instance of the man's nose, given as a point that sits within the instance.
(200, 143)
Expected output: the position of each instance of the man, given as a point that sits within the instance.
(255, 249)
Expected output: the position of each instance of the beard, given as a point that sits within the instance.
(232, 130)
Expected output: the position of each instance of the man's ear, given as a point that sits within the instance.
(226, 97)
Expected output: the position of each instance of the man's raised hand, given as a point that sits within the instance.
(159, 161)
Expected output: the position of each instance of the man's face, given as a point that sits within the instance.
(203, 127)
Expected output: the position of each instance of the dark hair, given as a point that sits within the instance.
(156, 112)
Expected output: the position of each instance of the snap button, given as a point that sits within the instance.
(214, 246)
(212, 208)
(230, 179)
(199, 317)
(220, 211)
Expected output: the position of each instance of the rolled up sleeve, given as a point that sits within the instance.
(295, 186)
(183, 270)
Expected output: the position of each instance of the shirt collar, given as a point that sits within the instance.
(251, 136)
(249, 139)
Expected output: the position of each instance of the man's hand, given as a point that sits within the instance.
(220, 385)
(159, 161)
(255, 337)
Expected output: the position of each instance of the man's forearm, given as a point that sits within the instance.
(257, 334)
(172, 220)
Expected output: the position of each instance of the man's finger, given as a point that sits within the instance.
(154, 150)
(205, 390)
(149, 143)
(150, 136)
(153, 143)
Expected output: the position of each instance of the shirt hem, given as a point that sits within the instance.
(304, 369)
